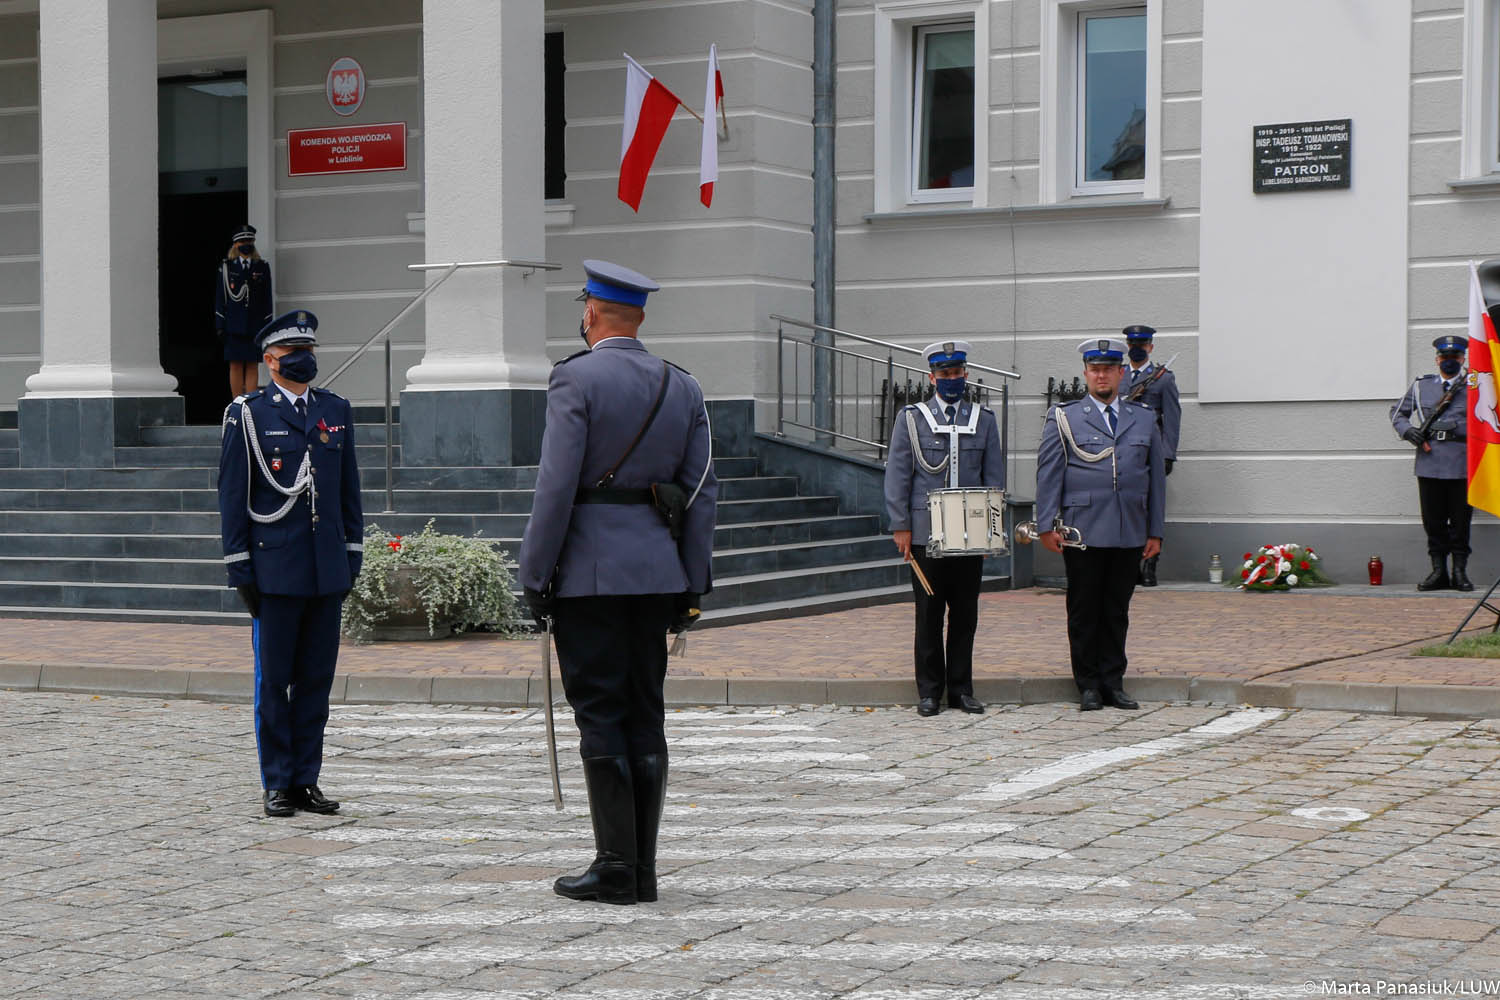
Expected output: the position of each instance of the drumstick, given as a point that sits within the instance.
(921, 577)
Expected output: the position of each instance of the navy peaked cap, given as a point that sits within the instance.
(1139, 331)
(1451, 344)
(297, 328)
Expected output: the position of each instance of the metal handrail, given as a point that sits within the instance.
(884, 343)
(448, 269)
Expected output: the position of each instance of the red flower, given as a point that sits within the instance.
(1304, 565)
(1249, 555)
(395, 545)
(1244, 574)
(1262, 559)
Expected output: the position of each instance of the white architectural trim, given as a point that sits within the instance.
(241, 41)
(1059, 100)
(1481, 129)
(895, 21)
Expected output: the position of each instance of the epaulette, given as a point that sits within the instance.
(680, 368)
(1427, 376)
(1137, 402)
(570, 357)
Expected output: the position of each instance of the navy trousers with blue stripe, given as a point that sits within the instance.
(296, 642)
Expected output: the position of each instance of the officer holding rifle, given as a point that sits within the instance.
(1433, 416)
(1156, 386)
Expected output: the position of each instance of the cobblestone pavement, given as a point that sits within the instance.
(1184, 851)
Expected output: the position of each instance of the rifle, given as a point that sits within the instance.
(1442, 404)
(1139, 389)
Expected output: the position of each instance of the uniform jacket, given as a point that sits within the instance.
(1162, 396)
(1117, 508)
(596, 402)
(292, 556)
(1448, 459)
(907, 484)
(243, 318)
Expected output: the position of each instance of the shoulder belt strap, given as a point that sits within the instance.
(661, 394)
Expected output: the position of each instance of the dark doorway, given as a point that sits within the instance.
(202, 193)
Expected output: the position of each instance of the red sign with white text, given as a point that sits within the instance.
(346, 149)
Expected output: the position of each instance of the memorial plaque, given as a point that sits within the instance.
(1302, 156)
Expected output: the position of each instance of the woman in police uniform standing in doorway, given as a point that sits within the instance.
(243, 301)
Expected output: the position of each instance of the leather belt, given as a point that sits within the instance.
(1444, 436)
(613, 494)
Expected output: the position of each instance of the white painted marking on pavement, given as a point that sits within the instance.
(1334, 814)
(1075, 765)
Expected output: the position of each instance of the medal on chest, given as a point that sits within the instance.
(276, 464)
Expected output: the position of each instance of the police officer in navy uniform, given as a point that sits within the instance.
(243, 301)
(922, 459)
(1442, 464)
(293, 532)
(1156, 387)
(615, 555)
(1101, 469)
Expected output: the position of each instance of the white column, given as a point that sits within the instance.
(98, 149)
(482, 163)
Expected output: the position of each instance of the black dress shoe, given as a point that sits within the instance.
(1119, 699)
(967, 703)
(928, 706)
(1148, 572)
(310, 799)
(279, 802)
(1088, 701)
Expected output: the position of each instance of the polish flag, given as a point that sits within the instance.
(1483, 422)
(713, 96)
(648, 111)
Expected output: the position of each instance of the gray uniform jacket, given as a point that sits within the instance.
(1115, 503)
(1163, 397)
(596, 402)
(907, 484)
(1449, 457)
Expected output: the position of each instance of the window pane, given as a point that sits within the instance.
(946, 116)
(1114, 98)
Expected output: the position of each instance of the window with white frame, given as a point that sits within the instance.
(942, 129)
(931, 103)
(1100, 99)
(1110, 111)
(1481, 134)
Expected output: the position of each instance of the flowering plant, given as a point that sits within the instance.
(435, 579)
(1281, 567)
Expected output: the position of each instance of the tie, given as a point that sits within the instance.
(950, 411)
(1109, 418)
(302, 412)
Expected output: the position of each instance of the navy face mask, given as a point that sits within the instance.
(1139, 354)
(299, 366)
(1450, 366)
(951, 389)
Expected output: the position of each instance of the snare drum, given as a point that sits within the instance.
(967, 522)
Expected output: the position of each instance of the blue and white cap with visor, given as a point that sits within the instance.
(946, 353)
(297, 328)
(1102, 351)
(615, 283)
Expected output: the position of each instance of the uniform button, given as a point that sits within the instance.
(261, 544)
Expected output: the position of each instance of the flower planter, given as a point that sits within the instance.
(407, 621)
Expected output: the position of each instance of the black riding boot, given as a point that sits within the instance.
(1461, 579)
(649, 773)
(1438, 578)
(611, 878)
(1148, 572)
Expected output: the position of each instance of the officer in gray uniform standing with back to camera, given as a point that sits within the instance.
(1156, 386)
(293, 533)
(1100, 469)
(947, 442)
(616, 554)
(1433, 416)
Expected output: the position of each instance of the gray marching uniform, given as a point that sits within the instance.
(1162, 396)
(614, 566)
(1116, 501)
(955, 580)
(907, 483)
(1449, 457)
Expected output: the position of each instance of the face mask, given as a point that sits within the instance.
(1450, 366)
(247, 248)
(951, 389)
(1139, 354)
(299, 366)
(583, 332)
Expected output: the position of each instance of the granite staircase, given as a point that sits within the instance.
(141, 541)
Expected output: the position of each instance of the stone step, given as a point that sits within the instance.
(123, 570)
(79, 545)
(781, 559)
(216, 598)
(207, 456)
(765, 588)
(54, 613)
(198, 435)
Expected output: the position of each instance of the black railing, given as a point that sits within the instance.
(868, 390)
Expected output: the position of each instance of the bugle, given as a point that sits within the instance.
(1027, 532)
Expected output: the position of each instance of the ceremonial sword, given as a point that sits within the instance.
(551, 732)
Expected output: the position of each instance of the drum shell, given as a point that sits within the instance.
(967, 521)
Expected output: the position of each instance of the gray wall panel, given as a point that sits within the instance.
(20, 232)
(306, 61)
(1436, 106)
(1433, 165)
(364, 267)
(20, 282)
(19, 133)
(375, 213)
(1437, 46)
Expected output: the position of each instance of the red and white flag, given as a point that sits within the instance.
(713, 96)
(648, 111)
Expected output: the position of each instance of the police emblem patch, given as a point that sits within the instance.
(275, 465)
(1103, 345)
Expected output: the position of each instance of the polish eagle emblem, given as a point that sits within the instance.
(346, 87)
